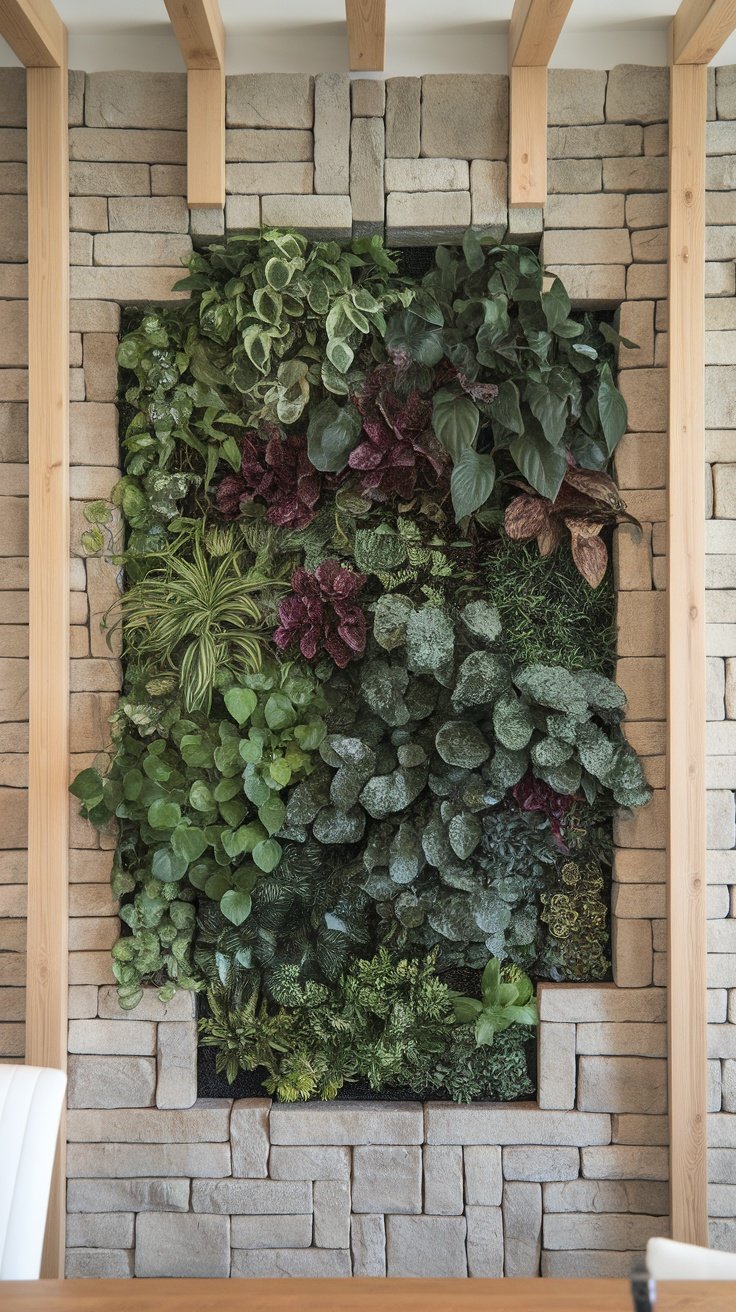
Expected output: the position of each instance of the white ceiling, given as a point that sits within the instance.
(309, 35)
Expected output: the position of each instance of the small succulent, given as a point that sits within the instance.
(321, 614)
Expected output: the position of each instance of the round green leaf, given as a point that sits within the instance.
(472, 482)
(235, 906)
(188, 842)
(241, 703)
(333, 432)
(267, 854)
(200, 796)
(272, 814)
(279, 711)
(163, 814)
(168, 866)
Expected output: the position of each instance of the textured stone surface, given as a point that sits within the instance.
(270, 100)
(118, 1160)
(111, 1081)
(484, 1242)
(415, 217)
(403, 117)
(575, 95)
(271, 1231)
(136, 100)
(249, 1138)
(366, 173)
(622, 1084)
(368, 97)
(346, 1123)
(427, 175)
(331, 133)
(425, 1246)
(302, 1263)
(522, 1228)
(101, 1230)
(368, 1245)
(556, 1075)
(177, 1064)
(483, 1175)
(489, 1124)
(331, 1202)
(189, 1245)
(317, 216)
(488, 193)
(387, 1179)
(530, 1163)
(637, 94)
(465, 117)
(257, 1197)
(443, 1180)
(127, 1195)
(98, 1263)
(310, 1163)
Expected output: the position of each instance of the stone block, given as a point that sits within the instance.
(720, 243)
(348, 1123)
(270, 100)
(272, 179)
(646, 827)
(642, 678)
(301, 1263)
(367, 151)
(121, 1160)
(89, 967)
(637, 94)
(585, 210)
(310, 1163)
(252, 1197)
(171, 1245)
(605, 1231)
(120, 145)
(90, 720)
(98, 1264)
(13, 706)
(572, 175)
(649, 245)
(207, 1122)
(632, 174)
(720, 397)
(720, 348)
(556, 1079)
(594, 1196)
(159, 214)
(136, 100)
(104, 1081)
(13, 526)
(486, 1123)
(413, 218)
(267, 1231)
(592, 286)
(644, 211)
(100, 1230)
(176, 1085)
(127, 1195)
(526, 223)
(103, 592)
(465, 116)
(632, 558)
(426, 1246)
(127, 284)
(13, 432)
(242, 213)
(641, 458)
(609, 141)
(249, 1138)
(265, 145)
(721, 819)
(720, 279)
(94, 179)
(13, 333)
(443, 1180)
(100, 365)
(569, 1264)
(622, 1084)
(590, 247)
(403, 112)
(522, 1228)
(92, 482)
(721, 970)
(14, 229)
(88, 214)
(631, 952)
(724, 494)
(656, 139)
(368, 1243)
(575, 96)
(488, 193)
(126, 1038)
(82, 1001)
(168, 180)
(328, 217)
(600, 1002)
(484, 1242)
(427, 175)
(483, 1175)
(612, 1039)
(530, 1163)
(634, 900)
(13, 145)
(141, 249)
(331, 1213)
(13, 98)
(620, 1162)
(331, 134)
(368, 97)
(387, 1179)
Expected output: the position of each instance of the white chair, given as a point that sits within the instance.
(667, 1260)
(31, 1100)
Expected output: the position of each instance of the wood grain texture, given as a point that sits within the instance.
(534, 31)
(528, 136)
(199, 31)
(358, 1295)
(686, 660)
(206, 137)
(366, 34)
(700, 28)
(34, 31)
(48, 474)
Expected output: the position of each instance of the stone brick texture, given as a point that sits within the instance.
(163, 1184)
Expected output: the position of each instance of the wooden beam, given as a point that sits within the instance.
(34, 31)
(48, 473)
(534, 31)
(366, 34)
(700, 28)
(686, 951)
(201, 36)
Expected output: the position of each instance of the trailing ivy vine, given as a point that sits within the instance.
(367, 753)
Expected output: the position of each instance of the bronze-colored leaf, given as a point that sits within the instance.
(551, 537)
(589, 551)
(526, 517)
(595, 484)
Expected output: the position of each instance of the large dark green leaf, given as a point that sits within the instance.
(472, 482)
(332, 434)
(455, 420)
(407, 334)
(549, 409)
(611, 408)
(505, 409)
(543, 466)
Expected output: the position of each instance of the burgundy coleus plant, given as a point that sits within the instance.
(398, 454)
(322, 614)
(587, 500)
(532, 794)
(277, 471)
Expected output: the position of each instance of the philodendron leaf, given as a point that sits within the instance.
(332, 434)
(472, 482)
(406, 334)
(542, 465)
(267, 854)
(241, 703)
(611, 408)
(455, 420)
(235, 906)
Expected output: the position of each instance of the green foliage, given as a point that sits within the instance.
(506, 998)
(549, 613)
(466, 1071)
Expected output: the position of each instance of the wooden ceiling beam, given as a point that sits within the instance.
(34, 31)
(533, 34)
(199, 31)
(700, 28)
(366, 21)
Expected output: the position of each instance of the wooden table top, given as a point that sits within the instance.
(355, 1296)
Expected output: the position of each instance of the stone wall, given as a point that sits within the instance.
(577, 1183)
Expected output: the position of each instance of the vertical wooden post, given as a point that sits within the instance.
(528, 135)
(205, 137)
(687, 959)
(48, 461)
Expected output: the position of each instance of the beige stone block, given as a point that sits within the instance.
(443, 1180)
(113, 1038)
(90, 866)
(13, 433)
(302, 1263)
(622, 1162)
(622, 1084)
(585, 210)
(649, 1130)
(592, 246)
(177, 1064)
(13, 333)
(252, 1197)
(368, 97)
(103, 1230)
(644, 281)
(631, 866)
(13, 281)
(656, 139)
(127, 284)
(138, 214)
(522, 1228)
(170, 1244)
(98, 1263)
(13, 691)
(637, 94)
(88, 214)
(427, 1246)
(632, 557)
(720, 279)
(92, 179)
(483, 1175)
(643, 681)
(317, 216)
(490, 1124)
(89, 934)
(331, 134)
(427, 175)
(636, 323)
(135, 100)
(575, 96)
(13, 144)
(573, 175)
(602, 1002)
(556, 1071)
(250, 1138)
(412, 217)
(207, 223)
(646, 211)
(593, 1197)
(464, 116)
(642, 624)
(592, 286)
(720, 815)
(90, 716)
(348, 1123)
(13, 229)
(617, 1040)
(367, 152)
(82, 1002)
(94, 317)
(645, 393)
(484, 1243)
(168, 180)
(387, 1179)
(265, 145)
(272, 1231)
(92, 482)
(143, 146)
(100, 366)
(720, 207)
(309, 1163)
(142, 249)
(577, 1230)
(90, 967)
(649, 245)
(403, 113)
(530, 1163)
(647, 827)
(331, 1201)
(641, 460)
(604, 142)
(488, 193)
(569, 1265)
(123, 1160)
(272, 179)
(242, 213)
(95, 1196)
(631, 950)
(110, 1082)
(14, 384)
(270, 100)
(630, 174)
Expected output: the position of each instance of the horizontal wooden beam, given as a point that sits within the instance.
(34, 32)
(199, 31)
(534, 31)
(700, 28)
(686, 713)
(366, 34)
